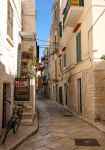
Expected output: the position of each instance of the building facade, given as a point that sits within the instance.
(10, 21)
(53, 47)
(26, 57)
(17, 34)
(45, 73)
(79, 83)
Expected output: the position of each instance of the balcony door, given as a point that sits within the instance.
(65, 92)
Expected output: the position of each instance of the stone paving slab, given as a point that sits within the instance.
(57, 132)
(99, 125)
(14, 140)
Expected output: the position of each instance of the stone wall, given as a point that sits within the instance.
(88, 94)
(99, 90)
(72, 95)
(5, 79)
(93, 94)
(28, 16)
(87, 90)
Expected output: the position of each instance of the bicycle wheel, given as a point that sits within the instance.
(7, 129)
(4, 135)
(16, 124)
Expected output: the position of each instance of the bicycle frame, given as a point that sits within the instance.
(14, 121)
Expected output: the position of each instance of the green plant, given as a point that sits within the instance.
(31, 48)
(103, 57)
(31, 67)
(31, 73)
(33, 62)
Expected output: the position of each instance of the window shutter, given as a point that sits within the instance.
(78, 46)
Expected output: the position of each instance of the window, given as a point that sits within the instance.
(10, 20)
(55, 69)
(64, 59)
(55, 18)
(60, 29)
(56, 15)
(60, 65)
(78, 47)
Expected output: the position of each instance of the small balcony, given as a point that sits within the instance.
(54, 51)
(72, 12)
(27, 55)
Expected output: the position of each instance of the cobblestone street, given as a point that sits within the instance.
(58, 130)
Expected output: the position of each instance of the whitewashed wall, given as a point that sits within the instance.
(8, 52)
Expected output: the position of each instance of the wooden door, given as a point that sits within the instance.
(79, 95)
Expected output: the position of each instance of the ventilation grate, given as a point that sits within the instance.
(86, 142)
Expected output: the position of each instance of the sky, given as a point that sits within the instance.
(43, 21)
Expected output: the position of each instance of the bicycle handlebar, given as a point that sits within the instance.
(21, 105)
(8, 101)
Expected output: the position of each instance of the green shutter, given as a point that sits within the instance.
(64, 57)
(60, 29)
(78, 46)
(81, 2)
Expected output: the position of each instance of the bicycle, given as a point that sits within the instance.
(14, 121)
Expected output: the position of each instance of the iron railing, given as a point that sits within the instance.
(22, 89)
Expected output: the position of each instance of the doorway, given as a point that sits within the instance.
(6, 104)
(79, 95)
(56, 92)
(53, 93)
(60, 95)
(65, 92)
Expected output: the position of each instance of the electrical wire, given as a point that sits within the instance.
(46, 45)
(53, 43)
(46, 41)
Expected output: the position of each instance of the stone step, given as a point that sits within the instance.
(27, 110)
(28, 107)
(27, 116)
(27, 113)
(26, 122)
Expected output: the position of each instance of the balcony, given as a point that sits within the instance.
(72, 12)
(55, 80)
(27, 35)
(54, 51)
(27, 55)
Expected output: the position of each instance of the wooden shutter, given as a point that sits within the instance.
(78, 46)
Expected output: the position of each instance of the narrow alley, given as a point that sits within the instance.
(53, 49)
(59, 128)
